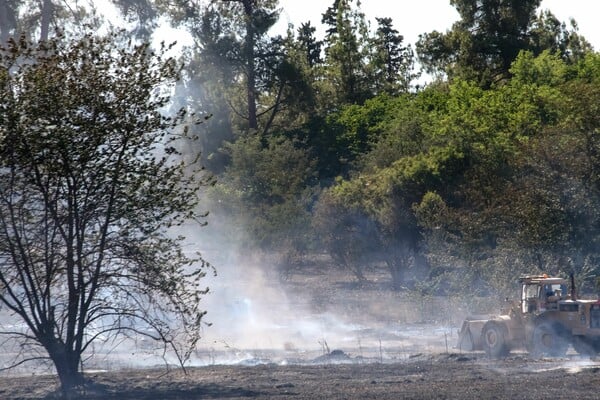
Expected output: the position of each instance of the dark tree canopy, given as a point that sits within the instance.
(391, 62)
(490, 34)
(308, 42)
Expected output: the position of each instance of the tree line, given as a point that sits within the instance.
(330, 144)
(478, 176)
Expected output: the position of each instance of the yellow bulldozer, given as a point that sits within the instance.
(546, 321)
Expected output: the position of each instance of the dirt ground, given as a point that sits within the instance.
(369, 343)
(442, 376)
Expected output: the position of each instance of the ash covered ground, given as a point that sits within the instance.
(425, 376)
(319, 335)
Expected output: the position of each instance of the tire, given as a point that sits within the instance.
(493, 339)
(549, 340)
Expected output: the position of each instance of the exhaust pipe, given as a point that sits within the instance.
(573, 291)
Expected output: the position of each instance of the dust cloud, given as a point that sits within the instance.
(257, 317)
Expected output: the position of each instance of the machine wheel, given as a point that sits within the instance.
(549, 340)
(493, 338)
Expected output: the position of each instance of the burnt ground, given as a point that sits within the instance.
(451, 376)
(377, 344)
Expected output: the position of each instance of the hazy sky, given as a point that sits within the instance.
(412, 17)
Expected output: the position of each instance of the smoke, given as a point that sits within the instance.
(248, 308)
(255, 317)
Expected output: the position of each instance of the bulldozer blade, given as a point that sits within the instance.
(469, 337)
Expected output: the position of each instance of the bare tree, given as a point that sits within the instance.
(91, 186)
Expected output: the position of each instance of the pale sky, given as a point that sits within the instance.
(413, 17)
(410, 17)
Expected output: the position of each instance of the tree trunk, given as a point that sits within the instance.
(250, 65)
(397, 273)
(66, 361)
(47, 11)
(398, 261)
(7, 22)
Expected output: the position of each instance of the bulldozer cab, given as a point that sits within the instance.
(540, 293)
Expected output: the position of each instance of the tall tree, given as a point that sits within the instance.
(91, 184)
(391, 64)
(483, 43)
(208, 80)
(257, 18)
(311, 46)
(329, 18)
(346, 51)
(548, 33)
(238, 38)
